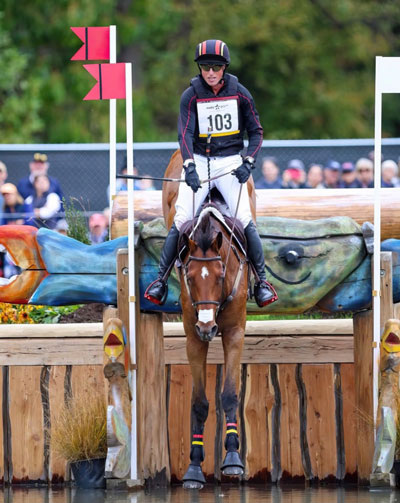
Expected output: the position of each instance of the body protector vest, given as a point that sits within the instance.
(219, 116)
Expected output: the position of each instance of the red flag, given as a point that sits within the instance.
(110, 81)
(96, 43)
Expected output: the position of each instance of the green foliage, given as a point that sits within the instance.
(77, 226)
(308, 63)
(50, 314)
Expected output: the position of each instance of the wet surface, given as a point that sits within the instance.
(210, 494)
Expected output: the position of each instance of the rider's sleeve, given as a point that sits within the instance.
(187, 123)
(251, 121)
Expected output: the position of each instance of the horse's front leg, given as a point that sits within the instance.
(233, 343)
(197, 355)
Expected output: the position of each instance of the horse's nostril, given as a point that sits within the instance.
(206, 333)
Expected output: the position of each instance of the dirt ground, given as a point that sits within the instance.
(89, 313)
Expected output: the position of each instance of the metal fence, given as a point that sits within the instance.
(83, 172)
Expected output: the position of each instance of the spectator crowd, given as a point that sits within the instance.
(330, 175)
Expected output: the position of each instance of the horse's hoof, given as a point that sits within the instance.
(232, 464)
(193, 478)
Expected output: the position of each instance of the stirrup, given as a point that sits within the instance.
(153, 299)
(272, 299)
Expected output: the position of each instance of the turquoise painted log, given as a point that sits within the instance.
(320, 264)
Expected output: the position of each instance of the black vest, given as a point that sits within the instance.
(220, 145)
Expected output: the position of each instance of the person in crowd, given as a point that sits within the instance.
(332, 172)
(62, 227)
(121, 184)
(294, 177)
(365, 173)
(270, 175)
(98, 228)
(38, 166)
(389, 172)
(349, 180)
(200, 115)
(46, 204)
(146, 183)
(315, 177)
(15, 210)
(3, 178)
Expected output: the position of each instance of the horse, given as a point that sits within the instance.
(213, 271)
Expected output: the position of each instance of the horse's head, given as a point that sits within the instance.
(203, 274)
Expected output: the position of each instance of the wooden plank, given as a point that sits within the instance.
(57, 465)
(1, 429)
(89, 380)
(258, 403)
(321, 431)
(396, 311)
(272, 349)
(29, 352)
(26, 416)
(363, 358)
(291, 464)
(58, 330)
(280, 327)
(386, 285)
(151, 403)
(349, 420)
(179, 420)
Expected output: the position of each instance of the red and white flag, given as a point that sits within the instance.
(110, 81)
(96, 43)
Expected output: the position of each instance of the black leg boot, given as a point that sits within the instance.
(157, 291)
(264, 292)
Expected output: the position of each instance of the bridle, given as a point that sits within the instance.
(222, 303)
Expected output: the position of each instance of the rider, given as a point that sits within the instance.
(217, 104)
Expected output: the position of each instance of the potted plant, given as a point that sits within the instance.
(79, 435)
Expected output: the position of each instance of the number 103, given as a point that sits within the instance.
(219, 122)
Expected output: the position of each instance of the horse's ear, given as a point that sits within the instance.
(217, 243)
(188, 243)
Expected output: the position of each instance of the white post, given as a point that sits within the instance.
(113, 127)
(376, 289)
(131, 263)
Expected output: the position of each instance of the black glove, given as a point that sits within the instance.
(242, 173)
(191, 177)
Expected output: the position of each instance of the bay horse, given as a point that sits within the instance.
(213, 273)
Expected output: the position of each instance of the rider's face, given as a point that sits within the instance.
(211, 77)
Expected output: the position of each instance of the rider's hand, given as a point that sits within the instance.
(243, 172)
(191, 177)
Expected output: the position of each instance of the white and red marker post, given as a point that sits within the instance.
(114, 81)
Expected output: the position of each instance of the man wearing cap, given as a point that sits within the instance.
(38, 166)
(294, 177)
(332, 175)
(348, 176)
(216, 111)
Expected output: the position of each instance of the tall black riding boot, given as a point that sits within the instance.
(264, 292)
(157, 291)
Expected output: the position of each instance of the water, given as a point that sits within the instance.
(210, 494)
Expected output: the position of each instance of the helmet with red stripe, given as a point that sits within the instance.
(212, 52)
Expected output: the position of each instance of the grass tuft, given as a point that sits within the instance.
(79, 430)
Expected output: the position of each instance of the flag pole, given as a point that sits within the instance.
(376, 292)
(131, 264)
(113, 128)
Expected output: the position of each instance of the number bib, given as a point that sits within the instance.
(218, 117)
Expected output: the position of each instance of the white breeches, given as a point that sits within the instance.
(228, 185)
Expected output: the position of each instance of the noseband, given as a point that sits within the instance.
(220, 304)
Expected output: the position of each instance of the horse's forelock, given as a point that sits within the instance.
(204, 233)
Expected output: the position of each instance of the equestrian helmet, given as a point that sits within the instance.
(212, 52)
